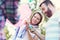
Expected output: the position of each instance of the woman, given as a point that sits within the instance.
(32, 27)
(26, 32)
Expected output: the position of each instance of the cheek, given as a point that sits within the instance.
(33, 21)
(37, 21)
(44, 10)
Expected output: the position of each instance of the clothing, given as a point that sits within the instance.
(37, 29)
(22, 33)
(53, 27)
(7, 10)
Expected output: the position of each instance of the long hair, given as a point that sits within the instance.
(40, 17)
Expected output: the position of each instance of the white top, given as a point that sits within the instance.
(22, 33)
(53, 27)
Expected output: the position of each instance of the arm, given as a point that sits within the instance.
(29, 36)
(40, 36)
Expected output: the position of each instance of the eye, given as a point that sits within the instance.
(43, 9)
(38, 19)
(34, 16)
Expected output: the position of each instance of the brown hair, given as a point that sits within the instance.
(40, 17)
(46, 3)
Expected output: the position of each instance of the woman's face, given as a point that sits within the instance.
(35, 19)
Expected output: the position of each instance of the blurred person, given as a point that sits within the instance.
(11, 14)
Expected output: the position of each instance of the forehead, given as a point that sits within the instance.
(37, 15)
(43, 5)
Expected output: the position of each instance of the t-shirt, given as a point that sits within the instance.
(53, 27)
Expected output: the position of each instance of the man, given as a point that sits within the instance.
(7, 10)
(52, 25)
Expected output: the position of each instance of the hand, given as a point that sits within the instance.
(32, 30)
(27, 25)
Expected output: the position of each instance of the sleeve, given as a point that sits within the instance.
(52, 29)
(11, 11)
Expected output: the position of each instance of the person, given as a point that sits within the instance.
(52, 25)
(7, 11)
(33, 27)
(24, 31)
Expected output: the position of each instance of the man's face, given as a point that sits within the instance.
(46, 10)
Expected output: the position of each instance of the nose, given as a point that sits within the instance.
(43, 11)
(35, 19)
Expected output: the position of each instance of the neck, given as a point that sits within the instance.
(33, 24)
